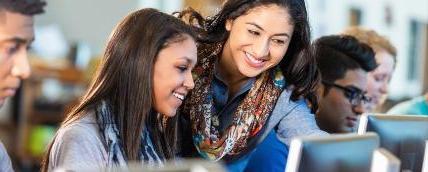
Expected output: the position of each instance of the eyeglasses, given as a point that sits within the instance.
(355, 95)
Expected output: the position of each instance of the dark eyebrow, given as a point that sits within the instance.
(19, 40)
(256, 25)
(259, 27)
(355, 88)
(188, 60)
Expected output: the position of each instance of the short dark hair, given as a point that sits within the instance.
(26, 7)
(336, 54)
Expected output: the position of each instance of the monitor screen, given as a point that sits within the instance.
(425, 165)
(402, 135)
(334, 153)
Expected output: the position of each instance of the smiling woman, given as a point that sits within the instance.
(253, 76)
(172, 78)
(128, 113)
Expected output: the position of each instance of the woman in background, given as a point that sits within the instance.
(128, 113)
(253, 77)
(386, 58)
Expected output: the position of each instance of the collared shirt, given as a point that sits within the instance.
(225, 106)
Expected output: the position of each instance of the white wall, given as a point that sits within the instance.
(332, 16)
(167, 6)
(90, 21)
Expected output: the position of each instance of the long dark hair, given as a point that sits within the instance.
(125, 80)
(298, 64)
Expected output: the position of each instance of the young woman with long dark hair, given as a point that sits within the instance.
(254, 76)
(128, 113)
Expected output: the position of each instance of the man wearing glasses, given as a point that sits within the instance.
(344, 63)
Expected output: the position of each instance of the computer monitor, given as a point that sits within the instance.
(425, 166)
(333, 153)
(384, 161)
(402, 135)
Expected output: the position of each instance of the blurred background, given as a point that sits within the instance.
(71, 35)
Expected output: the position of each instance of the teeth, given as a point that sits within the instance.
(252, 59)
(179, 96)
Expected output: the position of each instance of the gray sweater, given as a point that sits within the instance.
(292, 119)
(289, 119)
(78, 146)
(5, 163)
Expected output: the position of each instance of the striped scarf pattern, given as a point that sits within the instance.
(115, 151)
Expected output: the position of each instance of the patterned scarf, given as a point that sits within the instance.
(248, 119)
(115, 151)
